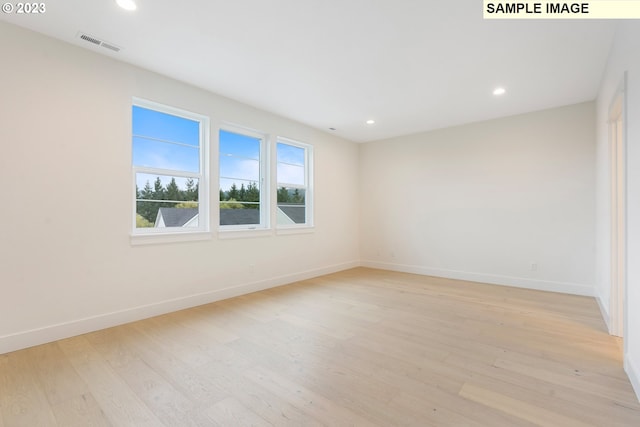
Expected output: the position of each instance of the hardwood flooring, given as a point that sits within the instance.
(362, 347)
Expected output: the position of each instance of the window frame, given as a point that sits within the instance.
(153, 234)
(308, 187)
(247, 230)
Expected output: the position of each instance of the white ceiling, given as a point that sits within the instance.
(412, 65)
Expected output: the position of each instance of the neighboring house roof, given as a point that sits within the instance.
(183, 217)
(297, 213)
(175, 217)
(239, 216)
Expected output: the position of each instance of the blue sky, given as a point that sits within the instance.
(290, 164)
(165, 141)
(175, 144)
(239, 159)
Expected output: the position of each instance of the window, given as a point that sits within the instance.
(242, 198)
(169, 165)
(294, 184)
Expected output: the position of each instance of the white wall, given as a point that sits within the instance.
(66, 262)
(478, 202)
(483, 201)
(624, 57)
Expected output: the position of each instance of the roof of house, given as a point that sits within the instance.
(296, 213)
(239, 216)
(176, 217)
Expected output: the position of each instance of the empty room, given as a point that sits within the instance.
(366, 213)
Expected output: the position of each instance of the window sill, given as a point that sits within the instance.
(246, 233)
(285, 231)
(163, 238)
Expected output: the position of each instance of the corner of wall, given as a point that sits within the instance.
(633, 373)
(604, 310)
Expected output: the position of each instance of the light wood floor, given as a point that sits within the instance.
(361, 347)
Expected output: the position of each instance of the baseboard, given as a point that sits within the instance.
(604, 311)
(518, 282)
(30, 338)
(633, 373)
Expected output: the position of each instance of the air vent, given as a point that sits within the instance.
(90, 39)
(110, 46)
(98, 42)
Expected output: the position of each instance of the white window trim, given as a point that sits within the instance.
(309, 225)
(248, 230)
(143, 236)
(287, 230)
(244, 233)
(169, 237)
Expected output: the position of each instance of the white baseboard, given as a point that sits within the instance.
(30, 338)
(494, 279)
(604, 311)
(633, 373)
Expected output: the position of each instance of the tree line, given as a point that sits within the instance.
(172, 196)
(175, 198)
(234, 197)
(287, 195)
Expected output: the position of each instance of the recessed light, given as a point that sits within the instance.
(127, 4)
(499, 91)
(332, 128)
(370, 122)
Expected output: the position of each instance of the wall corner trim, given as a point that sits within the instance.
(633, 373)
(604, 312)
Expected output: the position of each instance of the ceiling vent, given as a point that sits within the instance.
(96, 41)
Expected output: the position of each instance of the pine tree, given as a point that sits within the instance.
(147, 192)
(252, 195)
(297, 198)
(148, 210)
(283, 195)
(233, 192)
(191, 192)
(173, 191)
(158, 190)
(242, 193)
